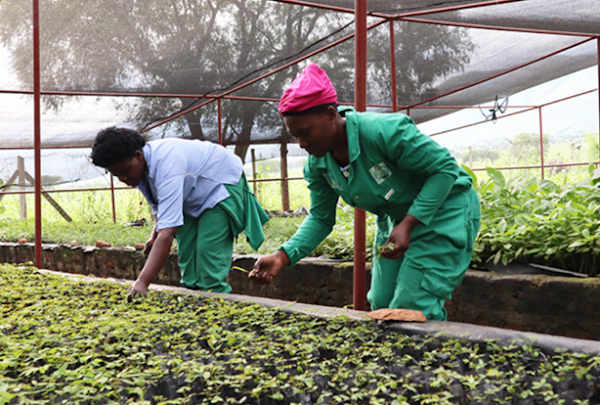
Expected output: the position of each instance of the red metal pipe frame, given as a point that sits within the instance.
(37, 133)
(525, 108)
(80, 190)
(405, 16)
(279, 179)
(219, 118)
(393, 68)
(499, 74)
(360, 99)
(328, 7)
(480, 122)
(530, 108)
(400, 15)
(498, 27)
(541, 143)
(211, 96)
(536, 166)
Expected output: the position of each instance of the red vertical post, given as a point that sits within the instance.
(393, 68)
(112, 198)
(541, 141)
(37, 133)
(360, 103)
(219, 116)
(285, 192)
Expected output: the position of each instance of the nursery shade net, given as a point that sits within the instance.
(210, 47)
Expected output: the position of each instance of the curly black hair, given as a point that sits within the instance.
(115, 144)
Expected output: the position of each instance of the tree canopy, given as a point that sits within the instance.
(207, 46)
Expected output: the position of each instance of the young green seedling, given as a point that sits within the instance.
(381, 248)
(240, 269)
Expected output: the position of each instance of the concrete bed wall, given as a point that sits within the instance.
(536, 303)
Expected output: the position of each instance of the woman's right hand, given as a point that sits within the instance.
(148, 246)
(268, 267)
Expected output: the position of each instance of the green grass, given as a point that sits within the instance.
(83, 233)
(277, 231)
(269, 193)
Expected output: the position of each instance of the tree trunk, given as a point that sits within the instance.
(193, 120)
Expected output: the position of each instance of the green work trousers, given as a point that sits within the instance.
(205, 244)
(435, 262)
(204, 248)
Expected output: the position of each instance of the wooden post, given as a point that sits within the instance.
(21, 182)
(254, 183)
(470, 157)
(112, 198)
(285, 192)
(51, 200)
(8, 183)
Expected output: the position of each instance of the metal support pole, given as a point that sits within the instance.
(254, 183)
(21, 182)
(219, 119)
(360, 101)
(393, 68)
(598, 55)
(285, 192)
(112, 198)
(541, 142)
(37, 133)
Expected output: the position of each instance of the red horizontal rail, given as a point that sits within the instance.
(76, 190)
(515, 113)
(504, 72)
(163, 95)
(73, 190)
(396, 16)
(481, 122)
(536, 166)
(525, 108)
(328, 7)
(274, 179)
(498, 27)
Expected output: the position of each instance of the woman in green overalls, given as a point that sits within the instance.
(425, 204)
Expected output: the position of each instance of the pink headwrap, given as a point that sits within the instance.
(310, 89)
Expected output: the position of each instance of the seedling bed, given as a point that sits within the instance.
(69, 342)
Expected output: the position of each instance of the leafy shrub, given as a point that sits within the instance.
(540, 221)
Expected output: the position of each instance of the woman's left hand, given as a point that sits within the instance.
(138, 288)
(400, 238)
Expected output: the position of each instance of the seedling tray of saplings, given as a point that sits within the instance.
(69, 342)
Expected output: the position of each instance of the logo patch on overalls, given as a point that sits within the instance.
(334, 185)
(380, 172)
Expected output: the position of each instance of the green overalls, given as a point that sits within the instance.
(396, 170)
(205, 244)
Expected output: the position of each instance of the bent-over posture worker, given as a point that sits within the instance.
(199, 195)
(425, 204)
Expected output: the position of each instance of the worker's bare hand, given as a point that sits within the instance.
(399, 238)
(148, 246)
(138, 288)
(268, 267)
